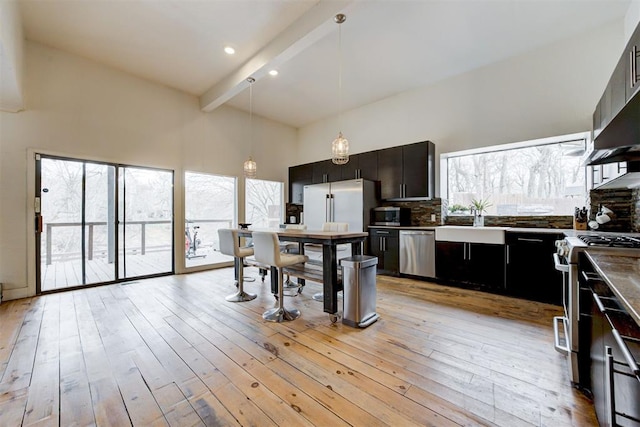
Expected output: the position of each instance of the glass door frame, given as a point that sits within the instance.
(36, 156)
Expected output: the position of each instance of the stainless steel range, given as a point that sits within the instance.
(566, 261)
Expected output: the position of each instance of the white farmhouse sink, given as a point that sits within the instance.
(459, 233)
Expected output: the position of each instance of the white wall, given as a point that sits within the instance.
(547, 92)
(11, 57)
(78, 108)
(631, 19)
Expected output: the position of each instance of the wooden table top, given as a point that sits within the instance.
(311, 234)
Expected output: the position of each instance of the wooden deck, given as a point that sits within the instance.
(172, 351)
(65, 274)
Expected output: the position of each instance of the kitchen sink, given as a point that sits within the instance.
(460, 233)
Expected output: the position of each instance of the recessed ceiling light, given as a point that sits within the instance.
(229, 50)
(273, 73)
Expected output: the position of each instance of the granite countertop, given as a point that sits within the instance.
(507, 229)
(408, 227)
(621, 271)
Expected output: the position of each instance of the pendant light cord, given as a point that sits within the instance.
(251, 80)
(340, 77)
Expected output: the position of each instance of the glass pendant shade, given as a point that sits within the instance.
(340, 150)
(250, 168)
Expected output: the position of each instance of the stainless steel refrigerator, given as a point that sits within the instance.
(348, 201)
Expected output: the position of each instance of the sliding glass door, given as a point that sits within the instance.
(101, 223)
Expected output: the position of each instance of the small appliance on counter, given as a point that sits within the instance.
(391, 216)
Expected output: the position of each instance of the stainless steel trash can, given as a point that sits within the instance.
(359, 282)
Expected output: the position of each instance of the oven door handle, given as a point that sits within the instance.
(564, 349)
(560, 266)
(631, 362)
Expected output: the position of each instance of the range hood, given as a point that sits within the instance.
(631, 179)
(619, 141)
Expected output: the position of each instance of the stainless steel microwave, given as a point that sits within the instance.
(391, 216)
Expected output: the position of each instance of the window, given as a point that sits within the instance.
(541, 177)
(210, 203)
(264, 203)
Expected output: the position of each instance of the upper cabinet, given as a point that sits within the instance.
(326, 171)
(361, 166)
(299, 176)
(632, 73)
(407, 171)
(624, 83)
(404, 172)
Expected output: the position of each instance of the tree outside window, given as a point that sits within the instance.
(529, 179)
(264, 203)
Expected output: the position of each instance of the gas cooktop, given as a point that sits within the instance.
(611, 241)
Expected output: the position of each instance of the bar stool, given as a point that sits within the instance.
(267, 251)
(230, 245)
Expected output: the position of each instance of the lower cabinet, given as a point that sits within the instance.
(531, 273)
(385, 244)
(472, 263)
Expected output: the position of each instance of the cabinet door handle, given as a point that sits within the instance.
(525, 239)
(631, 362)
(633, 78)
(507, 254)
(464, 251)
(469, 251)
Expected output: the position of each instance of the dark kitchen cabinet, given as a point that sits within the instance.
(390, 172)
(531, 272)
(407, 171)
(326, 171)
(618, 91)
(385, 244)
(630, 58)
(622, 86)
(299, 176)
(351, 169)
(451, 261)
(368, 165)
(613, 344)
(473, 263)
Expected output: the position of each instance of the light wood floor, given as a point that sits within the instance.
(171, 351)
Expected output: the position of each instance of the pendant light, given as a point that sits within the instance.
(250, 167)
(340, 145)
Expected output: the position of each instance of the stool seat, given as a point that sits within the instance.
(230, 245)
(267, 251)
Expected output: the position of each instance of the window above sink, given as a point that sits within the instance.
(530, 178)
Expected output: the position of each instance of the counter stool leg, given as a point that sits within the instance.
(279, 313)
(240, 295)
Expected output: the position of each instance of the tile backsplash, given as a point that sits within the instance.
(421, 211)
(625, 204)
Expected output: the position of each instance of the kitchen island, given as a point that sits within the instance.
(329, 241)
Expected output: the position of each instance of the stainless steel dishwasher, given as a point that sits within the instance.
(418, 253)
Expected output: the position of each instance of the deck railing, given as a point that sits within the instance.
(90, 234)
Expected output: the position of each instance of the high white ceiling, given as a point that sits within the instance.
(388, 46)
